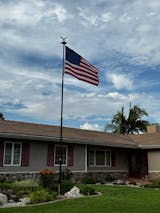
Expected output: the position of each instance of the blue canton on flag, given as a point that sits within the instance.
(78, 67)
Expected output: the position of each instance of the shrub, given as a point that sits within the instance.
(86, 190)
(66, 186)
(4, 186)
(88, 180)
(18, 189)
(47, 179)
(2, 179)
(153, 184)
(24, 184)
(23, 188)
(66, 174)
(20, 194)
(109, 178)
(41, 196)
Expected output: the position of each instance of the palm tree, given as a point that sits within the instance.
(130, 125)
(118, 124)
(135, 124)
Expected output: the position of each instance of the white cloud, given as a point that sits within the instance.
(125, 18)
(88, 19)
(107, 17)
(31, 12)
(126, 29)
(88, 126)
(120, 81)
(117, 96)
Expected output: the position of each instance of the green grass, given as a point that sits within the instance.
(114, 199)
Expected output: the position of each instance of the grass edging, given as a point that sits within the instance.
(63, 198)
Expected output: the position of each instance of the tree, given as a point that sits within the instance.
(135, 123)
(118, 124)
(131, 124)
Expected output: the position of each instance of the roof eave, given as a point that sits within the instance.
(67, 140)
(149, 146)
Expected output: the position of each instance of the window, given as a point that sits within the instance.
(99, 157)
(58, 154)
(12, 154)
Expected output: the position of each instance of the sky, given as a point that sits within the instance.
(121, 38)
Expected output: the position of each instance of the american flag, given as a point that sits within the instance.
(78, 67)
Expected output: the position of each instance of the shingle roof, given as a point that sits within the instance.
(148, 140)
(47, 132)
(32, 131)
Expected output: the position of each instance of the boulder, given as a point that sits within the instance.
(25, 200)
(73, 193)
(3, 199)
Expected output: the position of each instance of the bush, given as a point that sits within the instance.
(88, 180)
(4, 186)
(41, 196)
(23, 188)
(66, 186)
(109, 178)
(18, 189)
(20, 194)
(47, 179)
(86, 190)
(23, 184)
(66, 174)
(2, 179)
(153, 184)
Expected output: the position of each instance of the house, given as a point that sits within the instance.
(27, 148)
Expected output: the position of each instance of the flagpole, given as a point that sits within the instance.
(61, 127)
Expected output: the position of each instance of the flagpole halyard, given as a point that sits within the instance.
(61, 127)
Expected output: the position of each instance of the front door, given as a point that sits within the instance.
(138, 164)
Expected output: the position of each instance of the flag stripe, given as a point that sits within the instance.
(94, 69)
(88, 68)
(81, 69)
(78, 67)
(69, 69)
(91, 81)
(81, 75)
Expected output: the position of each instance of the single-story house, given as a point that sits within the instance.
(27, 148)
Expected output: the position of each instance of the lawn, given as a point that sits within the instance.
(114, 199)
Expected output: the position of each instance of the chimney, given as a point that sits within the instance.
(1, 116)
(153, 128)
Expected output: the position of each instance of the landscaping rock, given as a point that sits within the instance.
(3, 199)
(119, 182)
(25, 200)
(73, 193)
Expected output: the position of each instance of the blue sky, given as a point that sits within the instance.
(121, 38)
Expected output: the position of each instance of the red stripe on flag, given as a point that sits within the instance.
(82, 77)
(78, 67)
(93, 68)
(70, 70)
(91, 81)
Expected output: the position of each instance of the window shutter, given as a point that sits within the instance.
(70, 155)
(25, 154)
(50, 157)
(1, 152)
(113, 157)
